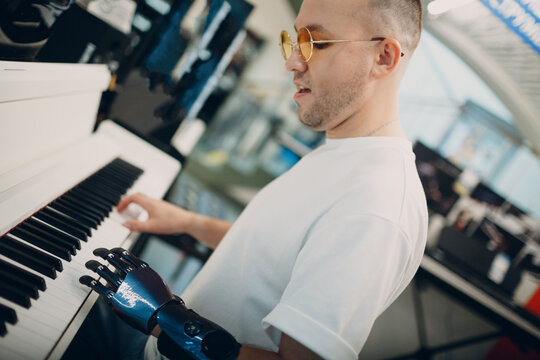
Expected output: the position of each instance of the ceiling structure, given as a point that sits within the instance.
(509, 66)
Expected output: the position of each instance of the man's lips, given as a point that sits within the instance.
(301, 90)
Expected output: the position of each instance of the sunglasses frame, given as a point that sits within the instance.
(296, 45)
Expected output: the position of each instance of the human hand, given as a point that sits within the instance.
(163, 217)
(135, 291)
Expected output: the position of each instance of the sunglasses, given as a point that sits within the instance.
(304, 43)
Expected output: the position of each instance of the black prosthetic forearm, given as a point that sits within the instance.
(187, 335)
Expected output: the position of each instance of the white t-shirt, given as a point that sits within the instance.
(321, 251)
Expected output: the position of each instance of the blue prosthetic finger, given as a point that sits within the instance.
(113, 279)
(101, 252)
(96, 286)
(114, 260)
(127, 256)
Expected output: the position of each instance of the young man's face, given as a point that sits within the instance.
(336, 78)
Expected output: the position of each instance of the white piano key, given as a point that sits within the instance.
(25, 342)
(109, 234)
(49, 302)
(47, 306)
(53, 285)
(11, 352)
(43, 324)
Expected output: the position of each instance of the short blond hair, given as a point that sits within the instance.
(401, 19)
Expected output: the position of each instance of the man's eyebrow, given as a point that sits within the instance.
(314, 27)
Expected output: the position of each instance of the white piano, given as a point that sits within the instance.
(59, 181)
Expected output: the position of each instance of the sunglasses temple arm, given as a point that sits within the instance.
(329, 41)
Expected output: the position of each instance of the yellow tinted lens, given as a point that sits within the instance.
(286, 46)
(304, 43)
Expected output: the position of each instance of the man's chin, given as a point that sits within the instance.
(315, 125)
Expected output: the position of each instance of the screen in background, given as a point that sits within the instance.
(486, 195)
(497, 239)
(437, 175)
(514, 210)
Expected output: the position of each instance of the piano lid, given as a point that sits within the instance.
(45, 107)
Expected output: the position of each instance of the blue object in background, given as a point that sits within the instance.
(522, 16)
(163, 59)
(192, 83)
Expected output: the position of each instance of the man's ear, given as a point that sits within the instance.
(387, 58)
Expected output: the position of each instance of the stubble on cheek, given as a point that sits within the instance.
(326, 107)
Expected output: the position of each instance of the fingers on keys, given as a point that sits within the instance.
(113, 279)
(121, 260)
(115, 260)
(128, 257)
(96, 286)
(137, 198)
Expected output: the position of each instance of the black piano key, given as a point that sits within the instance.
(125, 167)
(73, 214)
(76, 213)
(67, 219)
(121, 169)
(13, 294)
(81, 209)
(26, 288)
(23, 274)
(82, 203)
(3, 329)
(42, 243)
(89, 204)
(136, 171)
(42, 257)
(119, 173)
(33, 258)
(111, 199)
(85, 194)
(63, 219)
(109, 175)
(49, 235)
(53, 231)
(118, 176)
(75, 197)
(7, 314)
(117, 186)
(103, 190)
(103, 184)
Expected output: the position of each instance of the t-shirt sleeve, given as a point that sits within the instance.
(348, 271)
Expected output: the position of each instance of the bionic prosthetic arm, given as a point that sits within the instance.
(142, 299)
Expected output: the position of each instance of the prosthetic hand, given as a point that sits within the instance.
(142, 299)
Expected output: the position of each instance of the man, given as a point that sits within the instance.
(324, 249)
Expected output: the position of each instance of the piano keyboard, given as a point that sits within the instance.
(42, 258)
(56, 205)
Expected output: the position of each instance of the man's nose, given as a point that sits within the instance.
(295, 62)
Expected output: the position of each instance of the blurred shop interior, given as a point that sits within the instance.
(205, 81)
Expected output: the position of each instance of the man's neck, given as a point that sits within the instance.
(375, 121)
(390, 129)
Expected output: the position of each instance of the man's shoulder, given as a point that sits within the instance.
(385, 190)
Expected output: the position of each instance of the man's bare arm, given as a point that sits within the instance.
(209, 231)
(167, 218)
